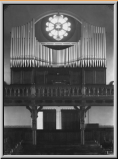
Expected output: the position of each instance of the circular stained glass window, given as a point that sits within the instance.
(58, 27)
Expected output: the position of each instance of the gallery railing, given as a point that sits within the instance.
(57, 91)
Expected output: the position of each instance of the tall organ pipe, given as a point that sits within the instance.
(90, 50)
(41, 54)
(105, 45)
(100, 46)
(23, 46)
(30, 43)
(11, 50)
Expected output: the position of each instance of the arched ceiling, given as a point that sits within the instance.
(97, 15)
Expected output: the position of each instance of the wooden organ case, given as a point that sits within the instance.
(82, 62)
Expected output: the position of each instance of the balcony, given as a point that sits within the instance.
(59, 95)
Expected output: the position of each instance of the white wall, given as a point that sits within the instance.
(100, 114)
(17, 116)
(20, 116)
(40, 120)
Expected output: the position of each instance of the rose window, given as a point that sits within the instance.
(58, 27)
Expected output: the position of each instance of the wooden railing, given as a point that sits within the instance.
(57, 91)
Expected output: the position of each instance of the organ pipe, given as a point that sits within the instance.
(100, 44)
(105, 46)
(17, 49)
(15, 42)
(37, 54)
(79, 57)
(85, 42)
(21, 38)
(96, 42)
(90, 41)
(63, 57)
(23, 46)
(40, 50)
(100, 47)
(33, 35)
(13, 46)
(82, 48)
(77, 49)
(73, 53)
(90, 45)
(67, 57)
(17, 58)
(45, 56)
(30, 42)
(48, 57)
(11, 49)
(51, 56)
(36, 51)
(76, 54)
(89, 51)
(19, 46)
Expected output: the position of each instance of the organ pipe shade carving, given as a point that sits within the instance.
(27, 51)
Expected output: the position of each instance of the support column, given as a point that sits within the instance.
(82, 126)
(34, 111)
(58, 118)
(83, 111)
(34, 124)
(82, 137)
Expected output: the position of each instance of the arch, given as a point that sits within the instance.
(80, 20)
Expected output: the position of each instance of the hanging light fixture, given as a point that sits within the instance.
(58, 27)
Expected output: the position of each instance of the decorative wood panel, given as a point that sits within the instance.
(16, 77)
(70, 120)
(76, 77)
(27, 77)
(89, 76)
(40, 77)
(100, 77)
(49, 119)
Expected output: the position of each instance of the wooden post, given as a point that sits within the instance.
(34, 124)
(82, 127)
(34, 114)
(83, 111)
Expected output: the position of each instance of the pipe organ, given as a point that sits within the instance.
(89, 51)
(80, 62)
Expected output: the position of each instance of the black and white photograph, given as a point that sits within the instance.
(58, 79)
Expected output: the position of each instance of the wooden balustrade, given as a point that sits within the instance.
(58, 91)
